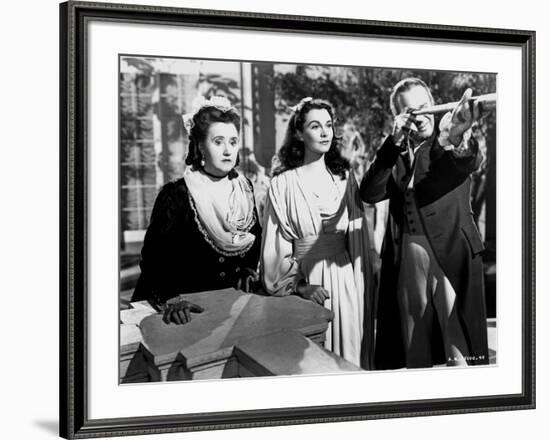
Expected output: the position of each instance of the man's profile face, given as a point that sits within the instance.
(416, 98)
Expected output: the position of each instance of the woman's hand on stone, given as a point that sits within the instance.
(178, 310)
(312, 292)
(248, 280)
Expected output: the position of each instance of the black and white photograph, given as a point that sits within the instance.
(271, 219)
(284, 219)
(243, 220)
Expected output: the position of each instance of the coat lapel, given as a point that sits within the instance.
(422, 162)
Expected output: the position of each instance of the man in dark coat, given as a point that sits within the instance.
(431, 306)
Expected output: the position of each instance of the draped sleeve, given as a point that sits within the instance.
(359, 243)
(279, 270)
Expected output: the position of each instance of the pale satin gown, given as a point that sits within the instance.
(324, 241)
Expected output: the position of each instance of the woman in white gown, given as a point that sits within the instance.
(315, 241)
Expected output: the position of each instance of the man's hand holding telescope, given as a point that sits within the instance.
(415, 123)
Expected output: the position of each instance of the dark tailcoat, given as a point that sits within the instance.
(442, 192)
(177, 257)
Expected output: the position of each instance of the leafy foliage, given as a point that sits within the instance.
(360, 95)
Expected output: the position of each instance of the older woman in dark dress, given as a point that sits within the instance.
(204, 232)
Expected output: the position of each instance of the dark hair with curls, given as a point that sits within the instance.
(202, 120)
(292, 152)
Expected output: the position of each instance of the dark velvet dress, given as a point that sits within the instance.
(177, 255)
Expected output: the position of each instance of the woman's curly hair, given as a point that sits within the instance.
(202, 120)
(292, 152)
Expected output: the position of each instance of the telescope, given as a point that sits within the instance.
(486, 102)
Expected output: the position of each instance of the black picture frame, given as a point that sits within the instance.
(74, 387)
